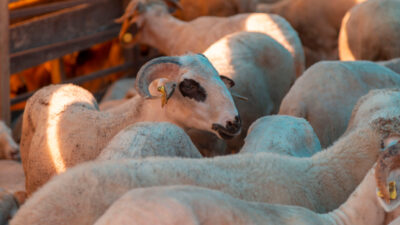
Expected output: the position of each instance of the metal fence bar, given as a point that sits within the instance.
(5, 114)
(80, 80)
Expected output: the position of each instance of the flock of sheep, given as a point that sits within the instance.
(313, 141)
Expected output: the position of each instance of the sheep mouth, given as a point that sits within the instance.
(223, 133)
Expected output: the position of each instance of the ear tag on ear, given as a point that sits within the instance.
(392, 191)
(164, 99)
(127, 38)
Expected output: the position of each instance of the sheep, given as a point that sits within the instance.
(327, 91)
(146, 139)
(371, 31)
(280, 134)
(159, 29)
(310, 182)
(190, 9)
(63, 127)
(8, 148)
(194, 205)
(317, 23)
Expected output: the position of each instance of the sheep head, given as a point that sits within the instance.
(387, 176)
(8, 148)
(132, 16)
(194, 95)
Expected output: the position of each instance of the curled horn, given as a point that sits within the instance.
(162, 67)
(388, 160)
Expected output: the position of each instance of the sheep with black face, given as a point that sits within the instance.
(62, 125)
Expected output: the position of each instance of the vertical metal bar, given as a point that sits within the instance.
(5, 114)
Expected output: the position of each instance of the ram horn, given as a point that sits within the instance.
(162, 67)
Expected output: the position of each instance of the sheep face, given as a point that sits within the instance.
(202, 100)
(192, 93)
(8, 148)
(135, 14)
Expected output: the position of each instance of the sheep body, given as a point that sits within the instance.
(326, 93)
(317, 22)
(280, 134)
(146, 139)
(194, 205)
(371, 31)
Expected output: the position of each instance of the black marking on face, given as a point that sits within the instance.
(228, 81)
(192, 89)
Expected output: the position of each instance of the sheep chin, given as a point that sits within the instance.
(393, 204)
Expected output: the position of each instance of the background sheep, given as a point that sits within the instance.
(284, 135)
(63, 127)
(171, 36)
(309, 182)
(191, 9)
(193, 205)
(326, 93)
(371, 31)
(146, 139)
(8, 148)
(316, 21)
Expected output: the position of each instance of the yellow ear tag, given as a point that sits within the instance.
(392, 191)
(164, 99)
(127, 37)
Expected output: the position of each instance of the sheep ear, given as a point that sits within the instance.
(228, 81)
(394, 203)
(166, 91)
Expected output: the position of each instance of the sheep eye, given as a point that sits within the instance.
(193, 90)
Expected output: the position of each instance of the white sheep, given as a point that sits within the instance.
(316, 21)
(159, 29)
(194, 205)
(63, 127)
(8, 148)
(327, 91)
(371, 31)
(84, 192)
(280, 134)
(146, 139)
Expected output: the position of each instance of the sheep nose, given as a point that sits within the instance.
(234, 126)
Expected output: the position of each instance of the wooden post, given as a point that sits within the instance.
(4, 63)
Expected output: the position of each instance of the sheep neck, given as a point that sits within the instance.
(134, 110)
(362, 207)
(162, 31)
(344, 165)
